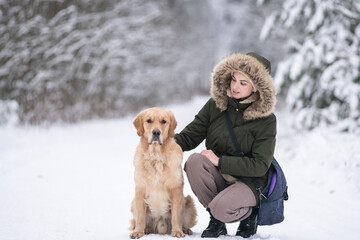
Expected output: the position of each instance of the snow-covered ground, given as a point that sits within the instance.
(76, 181)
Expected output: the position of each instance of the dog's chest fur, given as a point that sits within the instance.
(154, 161)
(158, 198)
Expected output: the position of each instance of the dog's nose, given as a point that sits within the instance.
(156, 132)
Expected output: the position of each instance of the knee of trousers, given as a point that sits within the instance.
(195, 161)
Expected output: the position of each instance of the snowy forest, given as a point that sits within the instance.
(67, 61)
(74, 75)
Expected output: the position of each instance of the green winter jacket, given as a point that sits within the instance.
(253, 122)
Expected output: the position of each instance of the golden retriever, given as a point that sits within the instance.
(159, 205)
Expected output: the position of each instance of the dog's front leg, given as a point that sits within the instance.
(139, 213)
(177, 203)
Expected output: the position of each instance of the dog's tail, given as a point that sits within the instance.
(189, 201)
(190, 214)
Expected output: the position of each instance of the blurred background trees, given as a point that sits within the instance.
(320, 74)
(73, 60)
(63, 60)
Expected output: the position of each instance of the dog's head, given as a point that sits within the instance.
(155, 124)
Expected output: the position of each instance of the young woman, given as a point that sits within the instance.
(219, 176)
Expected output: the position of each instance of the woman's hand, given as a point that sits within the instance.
(211, 156)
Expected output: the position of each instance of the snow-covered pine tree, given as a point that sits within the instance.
(321, 74)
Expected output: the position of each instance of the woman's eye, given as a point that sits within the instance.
(243, 83)
(148, 121)
(163, 121)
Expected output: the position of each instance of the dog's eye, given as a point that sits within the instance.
(148, 121)
(163, 121)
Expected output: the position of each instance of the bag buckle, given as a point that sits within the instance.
(261, 195)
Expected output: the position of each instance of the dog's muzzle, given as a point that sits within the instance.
(156, 136)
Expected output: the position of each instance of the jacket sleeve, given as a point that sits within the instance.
(195, 132)
(262, 154)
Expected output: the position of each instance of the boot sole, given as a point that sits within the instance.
(245, 235)
(215, 236)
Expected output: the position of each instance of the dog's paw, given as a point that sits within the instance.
(136, 235)
(178, 234)
(187, 231)
(147, 230)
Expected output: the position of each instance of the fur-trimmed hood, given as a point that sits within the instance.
(257, 68)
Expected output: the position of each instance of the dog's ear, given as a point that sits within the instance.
(138, 123)
(173, 124)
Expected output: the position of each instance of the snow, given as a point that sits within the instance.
(76, 181)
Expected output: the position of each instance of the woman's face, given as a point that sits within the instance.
(240, 86)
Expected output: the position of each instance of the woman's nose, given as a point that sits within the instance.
(237, 84)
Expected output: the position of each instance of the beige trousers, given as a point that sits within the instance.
(228, 202)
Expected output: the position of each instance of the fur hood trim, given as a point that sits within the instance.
(263, 101)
